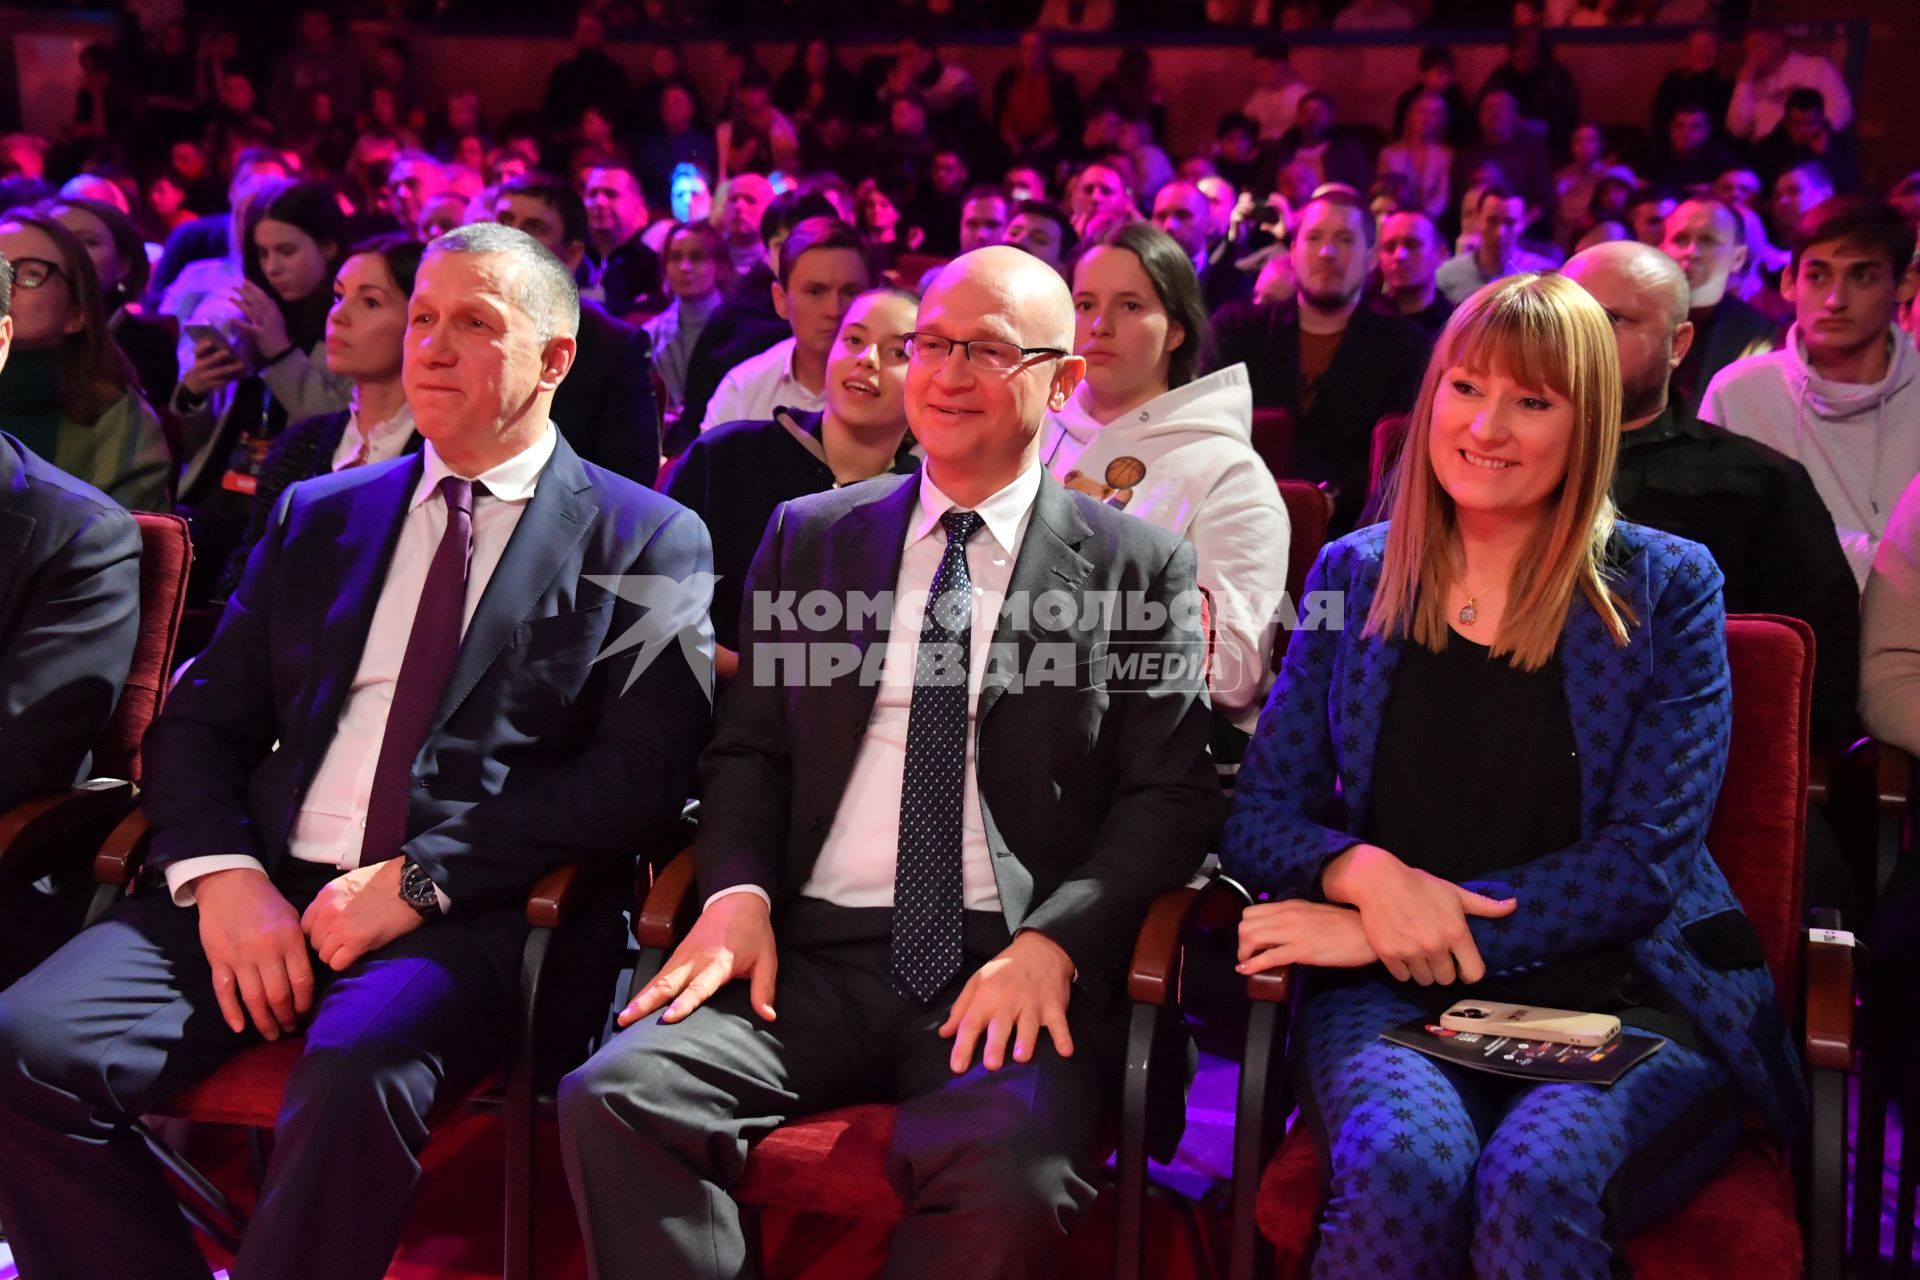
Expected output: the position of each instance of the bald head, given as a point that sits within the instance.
(977, 415)
(1645, 296)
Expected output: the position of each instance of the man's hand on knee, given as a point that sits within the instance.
(258, 954)
(733, 938)
(1016, 994)
(358, 913)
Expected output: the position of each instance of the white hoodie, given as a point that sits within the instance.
(1859, 441)
(1189, 458)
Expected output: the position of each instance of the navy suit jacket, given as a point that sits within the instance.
(69, 616)
(1651, 720)
(539, 755)
(605, 405)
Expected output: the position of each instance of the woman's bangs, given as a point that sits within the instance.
(1516, 331)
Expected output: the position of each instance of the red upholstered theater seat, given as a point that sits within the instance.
(245, 1091)
(1308, 514)
(1273, 440)
(832, 1163)
(165, 554)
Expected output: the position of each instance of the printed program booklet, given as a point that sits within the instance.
(1527, 1059)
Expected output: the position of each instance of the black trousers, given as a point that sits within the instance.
(995, 1166)
(124, 1015)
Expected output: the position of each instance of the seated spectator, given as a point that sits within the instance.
(208, 237)
(1236, 149)
(1699, 80)
(690, 199)
(1542, 87)
(322, 65)
(628, 271)
(1497, 797)
(366, 340)
(1500, 215)
(69, 616)
(1754, 509)
(1439, 73)
(696, 256)
(443, 213)
(1135, 86)
(757, 137)
(743, 203)
(678, 140)
(935, 208)
(1769, 72)
(1842, 397)
(1142, 433)
(1039, 867)
(1099, 191)
(1410, 249)
(1185, 214)
(1274, 105)
(1706, 239)
(605, 408)
(293, 820)
(1695, 157)
(737, 475)
(1806, 135)
(120, 262)
(952, 97)
(1516, 147)
(587, 79)
(1890, 623)
(68, 392)
(984, 216)
(879, 225)
(1335, 365)
(1035, 103)
(1647, 214)
(813, 81)
(1315, 143)
(823, 267)
(1796, 193)
(1043, 230)
(1422, 156)
(413, 179)
(1578, 179)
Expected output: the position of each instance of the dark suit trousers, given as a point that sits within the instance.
(124, 1016)
(996, 1166)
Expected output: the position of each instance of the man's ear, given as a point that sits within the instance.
(576, 254)
(1787, 280)
(1909, 282)
(6, 340)
(556, 359)
(1176, 335)
(780, 300)
(1065, 378)
(1739, 260)
(1682, 343)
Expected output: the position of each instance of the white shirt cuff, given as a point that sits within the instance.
(182, 874)
(753, 889)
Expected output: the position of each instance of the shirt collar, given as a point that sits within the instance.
(511, 481)
(1002, 513)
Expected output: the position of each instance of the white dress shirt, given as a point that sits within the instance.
(333, 813)
(857, 862)
(755, 387)
(383, 442)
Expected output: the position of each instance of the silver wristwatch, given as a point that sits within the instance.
(416, 890)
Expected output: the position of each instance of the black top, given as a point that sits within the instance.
(733, 477)
(1476, 771)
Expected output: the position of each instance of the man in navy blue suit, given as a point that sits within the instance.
(399, 725)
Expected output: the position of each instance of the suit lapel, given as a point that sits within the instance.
(862, 556)
(1048, 561)
(557, 519)
(16, 527)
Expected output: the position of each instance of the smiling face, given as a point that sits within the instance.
(476, 372)
(294, 266)
(43, 316)
(867, 368)
(1497, 446)
(821, 285)
(1120, 327)
(367, 327)
(978, 422)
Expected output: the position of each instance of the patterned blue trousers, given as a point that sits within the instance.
(1432, 1165)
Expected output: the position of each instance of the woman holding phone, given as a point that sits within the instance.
(1494, 780)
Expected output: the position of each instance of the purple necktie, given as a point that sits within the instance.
(431, 650)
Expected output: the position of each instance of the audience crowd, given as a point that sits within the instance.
(780, 324)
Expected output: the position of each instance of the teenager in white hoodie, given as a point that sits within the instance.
(1842, 398)
(1142, 434)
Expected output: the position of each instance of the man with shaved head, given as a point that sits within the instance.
(1755, 509)
(1709, 242)
(928, 835)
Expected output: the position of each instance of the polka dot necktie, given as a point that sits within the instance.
(927, 898)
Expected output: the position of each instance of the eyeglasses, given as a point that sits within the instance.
(31, 273)
(930, 350)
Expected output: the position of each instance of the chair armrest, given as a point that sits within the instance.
(121, 858)
(1829, 1040)
(1275, 986)
(57, 823)
(1154, 975)
(670, 907)
(1893, 780)
(554, 897)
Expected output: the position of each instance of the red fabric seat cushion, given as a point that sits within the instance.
(833, 1163)
(246, 1090)
(1741, 1224)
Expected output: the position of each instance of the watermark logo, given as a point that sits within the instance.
(676, 610)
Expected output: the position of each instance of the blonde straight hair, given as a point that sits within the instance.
(1543, 331)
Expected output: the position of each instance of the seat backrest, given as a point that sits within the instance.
(911, 266)
(1758, 832)
(1308, 512)
(1273, 440)
(165, 554)
(1389, 434)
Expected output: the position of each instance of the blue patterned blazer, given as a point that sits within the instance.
(1651, 721)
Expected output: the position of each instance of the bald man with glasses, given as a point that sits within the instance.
(931, 865)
